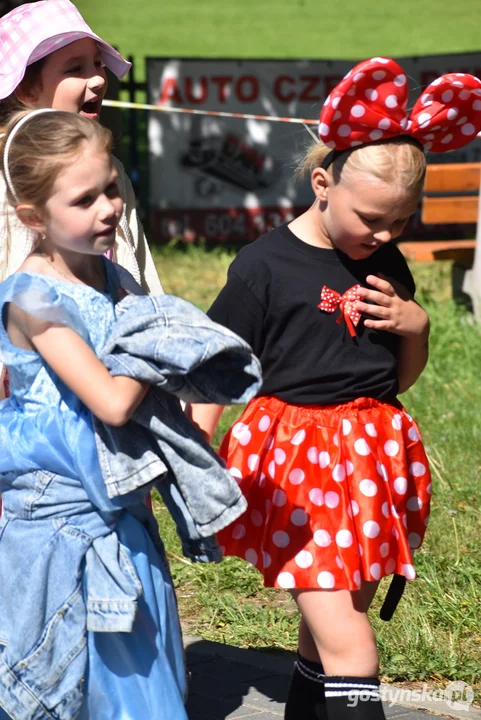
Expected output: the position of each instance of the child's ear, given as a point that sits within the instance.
(28, 96)
(320, 181)
(31, 217)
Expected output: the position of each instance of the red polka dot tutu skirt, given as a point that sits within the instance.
(336, 494)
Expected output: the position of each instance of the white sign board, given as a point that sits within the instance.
(232, 179)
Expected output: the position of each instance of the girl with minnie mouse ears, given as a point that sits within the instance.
(331, 464)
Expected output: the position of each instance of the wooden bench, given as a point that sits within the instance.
(450, 198)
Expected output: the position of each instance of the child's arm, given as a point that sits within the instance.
(205, 417)
(397, 312)
(111, 399)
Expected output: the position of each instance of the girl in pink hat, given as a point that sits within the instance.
(50, 58)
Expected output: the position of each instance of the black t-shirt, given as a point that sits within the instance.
(270, 299)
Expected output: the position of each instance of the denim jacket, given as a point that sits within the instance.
(169, 343)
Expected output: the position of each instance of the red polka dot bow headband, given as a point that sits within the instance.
(370, 104)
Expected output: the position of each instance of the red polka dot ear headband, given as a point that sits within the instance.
(369, 104)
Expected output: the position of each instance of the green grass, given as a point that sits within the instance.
(436, 633)
(286, 28)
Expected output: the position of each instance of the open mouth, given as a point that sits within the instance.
(91, 109)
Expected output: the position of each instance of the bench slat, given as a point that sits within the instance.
(429, 250)
(455, 177)
(449, 210)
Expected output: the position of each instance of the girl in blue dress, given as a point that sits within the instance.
(63, 184)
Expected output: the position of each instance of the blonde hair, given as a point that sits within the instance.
(399, 161)
(42, 147)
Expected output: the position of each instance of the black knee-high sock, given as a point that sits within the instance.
(353, 698)
(306, 700)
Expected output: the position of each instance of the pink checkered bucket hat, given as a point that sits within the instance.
(34, 30)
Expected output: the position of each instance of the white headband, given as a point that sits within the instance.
(16, 127)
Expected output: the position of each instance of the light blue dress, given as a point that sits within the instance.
(131, 676)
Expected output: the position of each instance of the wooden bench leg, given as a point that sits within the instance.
(459, 270)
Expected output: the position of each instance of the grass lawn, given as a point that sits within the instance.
(286, 28)
(436, 633)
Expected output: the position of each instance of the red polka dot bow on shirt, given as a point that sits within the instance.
(370, 104)
(331, 300)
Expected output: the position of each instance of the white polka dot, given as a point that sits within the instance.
(339, 473)
(279, 498)
(438, 81)
(385, 509)
(316, 496)
(429, 488)
(236, 473)
(384, 550)
(346, 427)
(339, 562)
(271, 469)
(354, 508)
(414, 540)
(417, 469)
(477, 105)
(371, 529)
(296, 476)
(447, 138)
(429, 136)
(326, 580)
(382, 471)
(426, 99)
(238, 532)
(413, 434)
(299, 437)
(327, 100)
(330, 144)
(394, 513)
(253, 462)
(251, 556)
(286, 580)
(447, 96)
(400, 80)
(331, 499)
(257, 518)
(261, 479)
(322, 538)
(391, 448)
(266, 560)
(426, 521)
(335, 439)
(360, 549)
(368, 488)
(464, 94)
(376, 134)
(384, 124)
(372, 94)
(324, 129)
(324, 459)
(401, 485)
(313, 455)
(344, 538)
(457, 83)
(391, 101)
(304, 559)
(375, 571)
(242, 433)
(358, 76)
(358, 111)
(390, 566)
(424, 119)
(428, 146)
(349, 467)
(468, 129)
(452, 113)
(379, 75)
(397, 422)
(357, 578)
(361, 447)
(299, 517)
(414, 503)
(404, 123)
(405, 521)
(335, 102)
(344, 130)
(462, 120)
(371, 430)
(281, 539)
(409, 572)
(356, 143)
(279, 456)
(264, 423)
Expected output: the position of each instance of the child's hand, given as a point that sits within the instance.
(393, 310)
